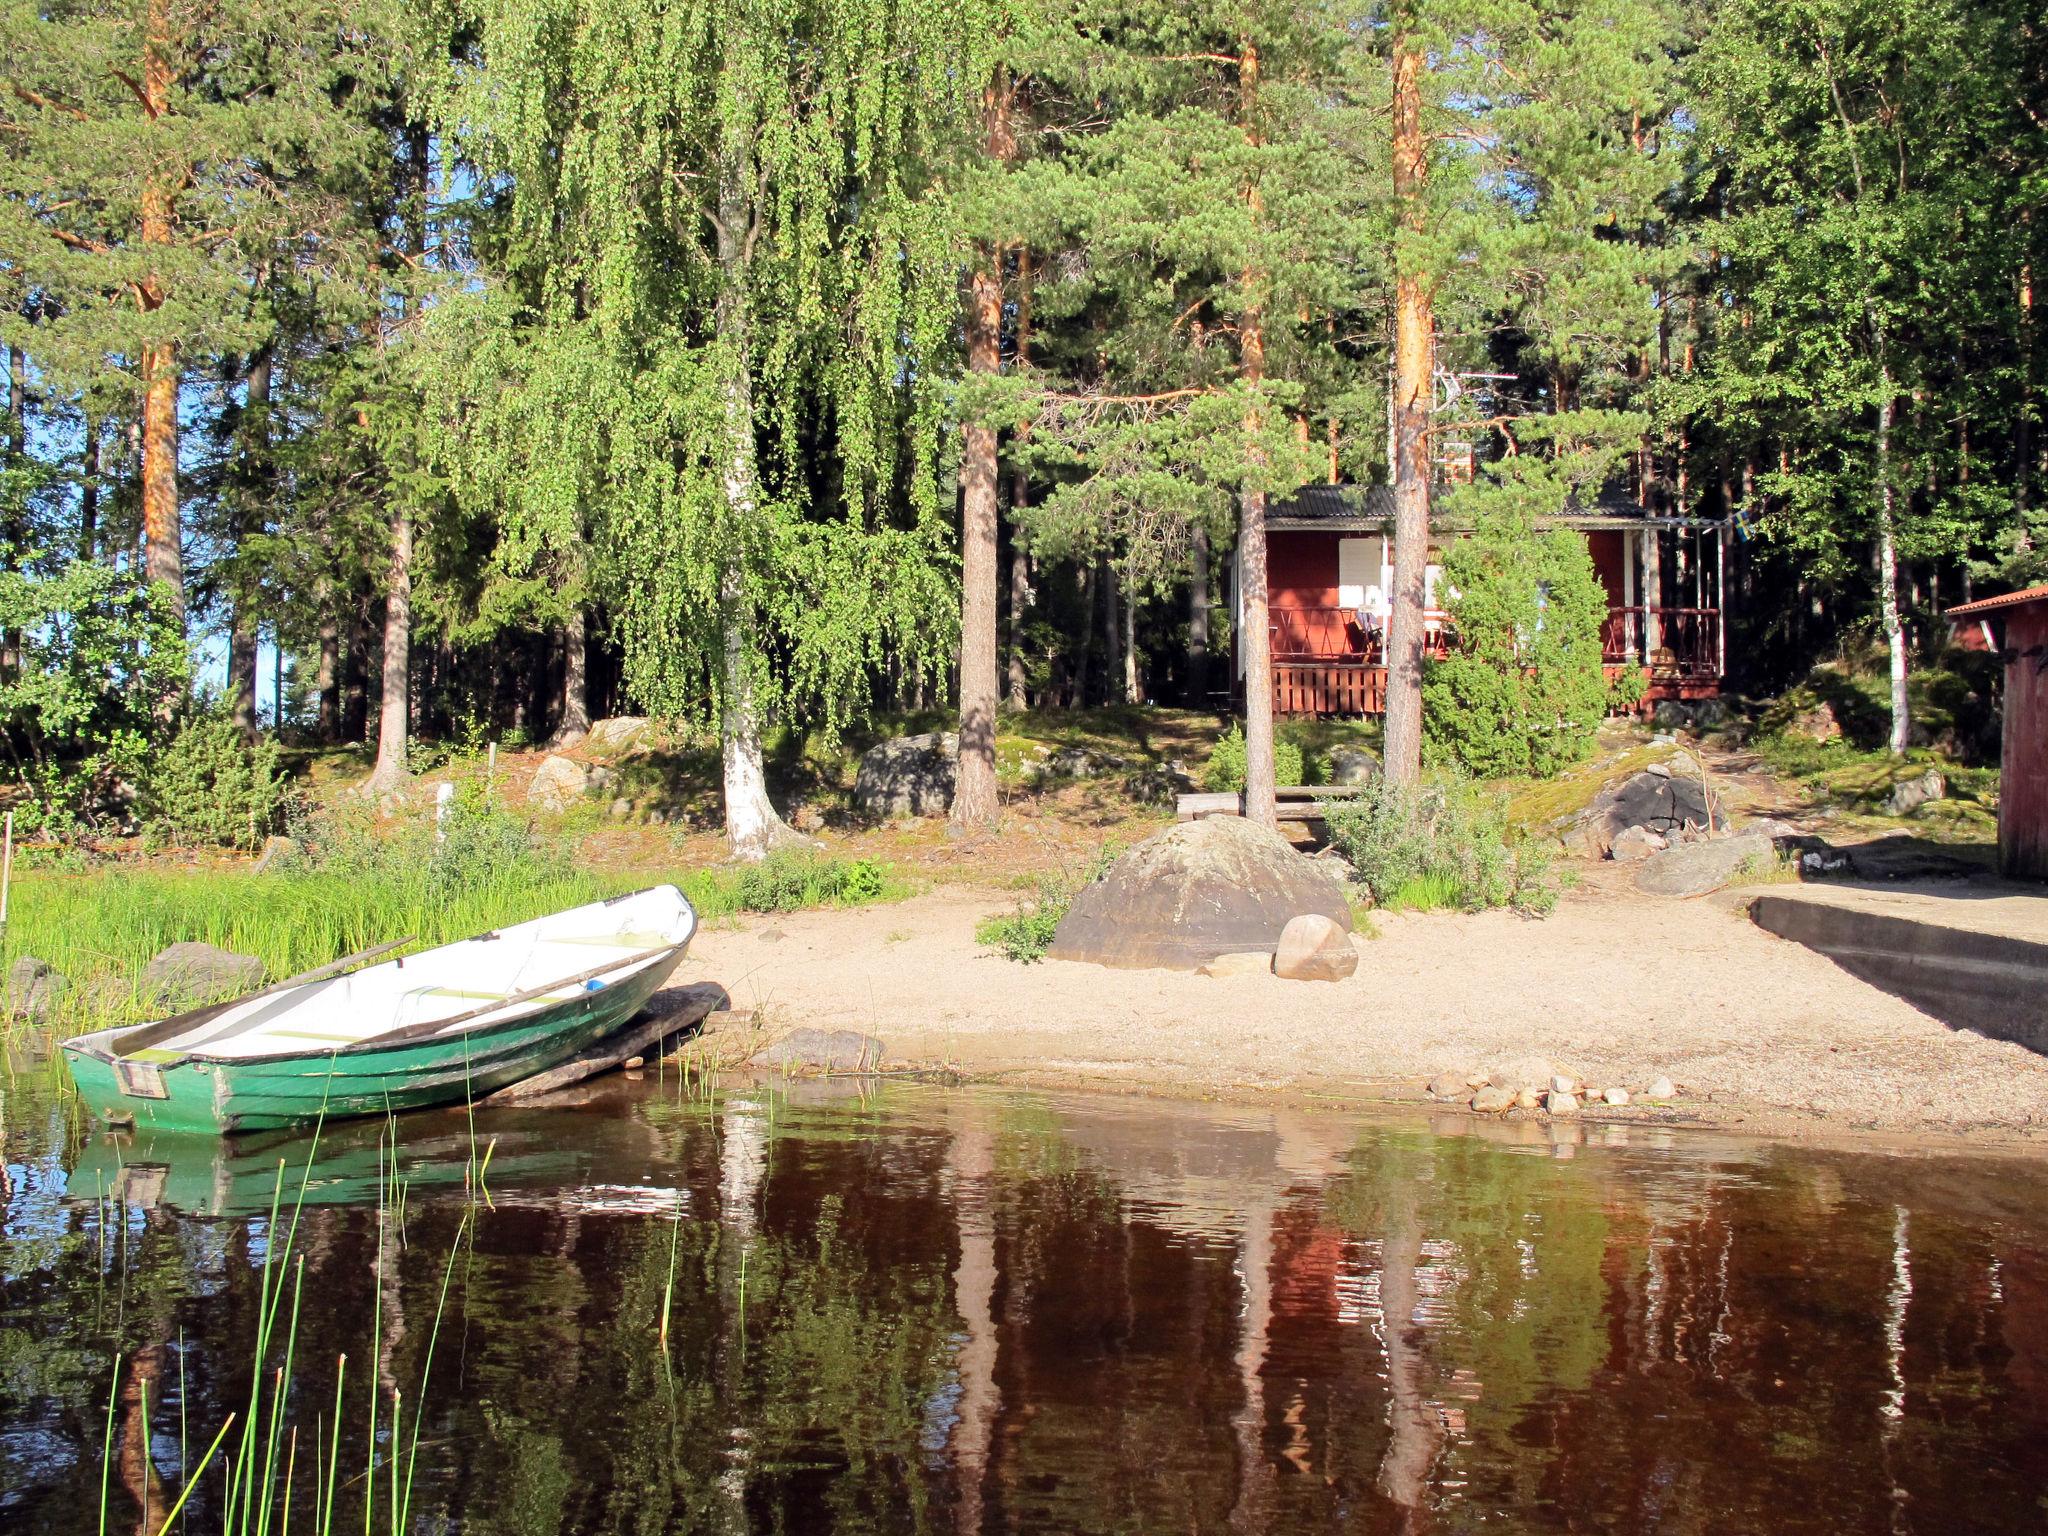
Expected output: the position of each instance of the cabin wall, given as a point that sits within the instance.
(2023, 780)
(1301, 569)
(1609, 548)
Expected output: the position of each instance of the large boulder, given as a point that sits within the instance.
(558, 783)
(909, 775)
(620, 736)
(1693, 869)
(33, 989)
(188, 974)
(1656, 800)
(1196, 891)
(1908, 795)
(1353, 765)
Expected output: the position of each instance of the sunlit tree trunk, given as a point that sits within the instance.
(1020, 498)
(752, 825)
(1888, 568)
(974, 794)
(1414, 340)
(574, 723)
(164, 561)
(1255, 643)
(250, 483)
(394, 708)
(1198, 617)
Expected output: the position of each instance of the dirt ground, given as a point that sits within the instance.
(1616, 987)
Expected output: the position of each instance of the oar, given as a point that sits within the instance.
(177, 1024)
(428, 1027)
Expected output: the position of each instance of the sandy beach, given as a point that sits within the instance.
(1758, 1033)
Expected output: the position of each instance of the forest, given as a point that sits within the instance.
(471, 370)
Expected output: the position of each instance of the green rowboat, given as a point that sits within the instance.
(446, 1025)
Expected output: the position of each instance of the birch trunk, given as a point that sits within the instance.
(1198, 618)
(574, 723)
(1888, 569)
(752, 825)
(394, 693)
(1260, 804)
(242, 633)
(1414, 341)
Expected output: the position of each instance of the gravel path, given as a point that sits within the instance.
(1756, 1031)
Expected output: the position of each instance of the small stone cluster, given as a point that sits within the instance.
(1532, 1086)
(178, 977)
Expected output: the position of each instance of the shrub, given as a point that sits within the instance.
(1225, 768)
(212, 785)
(1442, 844)
(789, 882)
(1522, 691)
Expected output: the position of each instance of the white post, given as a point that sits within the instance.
(1721, 604)
(6, 875)
(444, 800)
(1628, 601)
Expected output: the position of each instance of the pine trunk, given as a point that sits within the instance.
(752, 825)
(1020, 498)
(1888, 570)
(974, 793)
(89, 492)
(1198, 618)
(164, 562)
(1256, 642)
(1414, 342)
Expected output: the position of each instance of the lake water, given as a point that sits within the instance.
(920, 1309)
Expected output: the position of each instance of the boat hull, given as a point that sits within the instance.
(222, 1096)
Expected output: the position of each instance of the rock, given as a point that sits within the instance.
(1196, 891)
(821, 1050)
(275, 851)
(1563, 1084)
(1815, 724)
(909, 775)
(1078, 763)
(33, 989)
(1710, 712)
(1353, 765)
(1660, 1088)
(1243, 962)
(1447, 1085)
(1524, 1069)
(1673, 715)
(635, 1061)
(1616, 1097)
(188, 974)
(1528, 1098)
(807, 818)
(1561, 1103)
(620, 736)
(771, 935)
(621, 808)
(1694, 869)
(1151, 785)
(1632, 844)
(558, 783)
(1657, 800)
(1313, 948)
(1910, 794)
(1493, 1101)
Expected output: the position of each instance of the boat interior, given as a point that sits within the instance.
(584, 948)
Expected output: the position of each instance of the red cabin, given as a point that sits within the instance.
(1330, 565)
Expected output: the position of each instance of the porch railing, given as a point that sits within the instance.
(1338, 635)
(1688, 640)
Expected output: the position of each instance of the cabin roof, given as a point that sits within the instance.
(2003, 600)
(1370, 509)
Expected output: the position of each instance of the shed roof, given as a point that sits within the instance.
(2025, 595)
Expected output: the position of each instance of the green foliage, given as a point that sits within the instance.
(209, 784)
(100, 662)
(1226, 766)
(1026, 933)
(1440, 844)
(788, 882)
(1522, 690)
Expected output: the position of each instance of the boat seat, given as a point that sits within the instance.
(616, 941)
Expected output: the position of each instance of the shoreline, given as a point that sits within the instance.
(1763, 1037)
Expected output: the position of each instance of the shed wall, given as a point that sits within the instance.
(2023, 779)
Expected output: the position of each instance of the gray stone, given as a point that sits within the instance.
(820, 1050)
(619, 737)
(1157, 785)
(1815, 724)
(188, 974)
(1313, 948)
(1656, 800)
(558, 783)
(1195, 891)
(1078, 763)
(621, 809)
(1561, 1083)
(1632, 844)
(275, 851)
(1673, 714)
(1447, 1085)
(1561, 1103)
(1660, 1088)
(1353, 765)
(1616, 1097)
(1528, 1098)
(1493, 1101)
(1243, 962)
(1910, 794)
(33, 989)
(909, 775)
(1694, 869)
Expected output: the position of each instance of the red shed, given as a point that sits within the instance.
(2023, 772)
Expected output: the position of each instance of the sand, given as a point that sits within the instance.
(1757, 1032)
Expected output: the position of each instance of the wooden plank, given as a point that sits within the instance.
(668, 1013)
(1196, 807)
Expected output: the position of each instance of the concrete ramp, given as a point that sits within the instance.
(1972, 954)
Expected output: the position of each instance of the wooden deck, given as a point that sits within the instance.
(1297, 802)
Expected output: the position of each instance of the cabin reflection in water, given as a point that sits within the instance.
(973, 1311)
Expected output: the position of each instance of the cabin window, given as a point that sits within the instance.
(1353, 571)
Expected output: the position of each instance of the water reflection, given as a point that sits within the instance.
(920, 1310)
